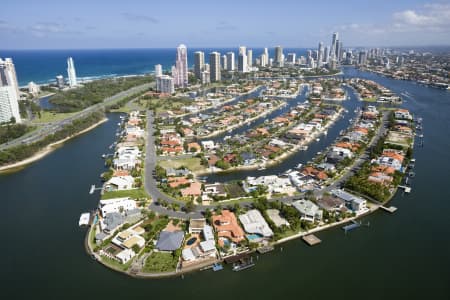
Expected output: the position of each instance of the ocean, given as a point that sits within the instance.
(42, 66)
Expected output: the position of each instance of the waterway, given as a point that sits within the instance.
(400, 256)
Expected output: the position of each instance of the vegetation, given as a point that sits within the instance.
(135, 194)
(192, 164)
(160, 262)
(13, 131)
(22, 152)
(94, 92)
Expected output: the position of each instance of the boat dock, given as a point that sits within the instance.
(84, 219)
(407, 189)
(311, 239)
(351, 226)
(265, 249)
(390, 209)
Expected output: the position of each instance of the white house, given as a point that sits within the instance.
(254, 222)
(402, 114)
(389, 162)
(308, 210)
(355, 203)
(119, 183)
(116, 205)
(274, 184)
(208, 145)
(125, 255)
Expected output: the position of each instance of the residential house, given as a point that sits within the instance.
(254, 223)
(308, 210)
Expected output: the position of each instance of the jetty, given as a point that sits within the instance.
(351, 226)
(407, 189)
(265, 249)
(390, 209)
(311, 239)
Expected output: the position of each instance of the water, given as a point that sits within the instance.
(42, 66)
(400, 256)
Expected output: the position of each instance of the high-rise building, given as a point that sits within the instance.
(320, 54)
(224, 62)
(205, 77)
(266, 53)
(181, 65)
(9, 92)
(214, 65)
(230, 61)
(165, 84)
(158, 70)
(33, 88)
(71, 74)
(60, 81)
(362, 58)
(199, 64)
(334, 41)
(249, 58)
(278, 56)
(339, 51)
(291, 58)
(242, 59)
(326, 54)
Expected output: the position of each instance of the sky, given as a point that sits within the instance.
(78, 24)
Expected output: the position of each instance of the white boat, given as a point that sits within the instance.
(299, 166)
(84, 219)
(261, 168)
(317, 140)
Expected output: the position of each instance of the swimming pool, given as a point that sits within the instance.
(253, 237)
(191, 241)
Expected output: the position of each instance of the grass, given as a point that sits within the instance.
(370, 99)
(193, 164)
(48, 117)
(115, 264)
(234, 190)
(160, 262)
(135, 194)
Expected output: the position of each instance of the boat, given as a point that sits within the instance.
(318, 139)
(103, 155)
(299, 166)
(411, 174)
(217, 267)
(261, 168)
(243, 264)
(304, 148)
(84, 219)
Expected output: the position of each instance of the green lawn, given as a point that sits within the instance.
(47, 117)
(115, 264)
(136, 193)
(371, 99)
(192, 164)
(160, 262)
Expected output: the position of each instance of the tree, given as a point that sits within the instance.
(189, 206)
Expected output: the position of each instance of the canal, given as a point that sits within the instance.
(400, 256)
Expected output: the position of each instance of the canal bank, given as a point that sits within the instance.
(404, 255)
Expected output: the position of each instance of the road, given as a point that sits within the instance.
(52, 128)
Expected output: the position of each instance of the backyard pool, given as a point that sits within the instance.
(191, 241)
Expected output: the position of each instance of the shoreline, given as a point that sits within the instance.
(48, 149)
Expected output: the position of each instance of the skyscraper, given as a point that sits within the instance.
(326, 54)
(242, 59)
(320, 55)
(334, 41)
(9, 92)
(199, 64)
(71, 74)
(60, 81)
(230, 61)
(164, 84)
(278, 56)
(214, 66)
(291, 58)
(339, 51)
(158, 70)
(362, 58)
(181, 66)
(224, 62)
(249, 58)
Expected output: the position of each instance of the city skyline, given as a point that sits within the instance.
(68, 25)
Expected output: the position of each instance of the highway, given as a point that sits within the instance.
(48, 129)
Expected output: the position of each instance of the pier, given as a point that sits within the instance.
(390, 209)
(407, 189)
(93, 188)
(311, 239)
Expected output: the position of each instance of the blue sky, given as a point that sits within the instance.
(64, 24)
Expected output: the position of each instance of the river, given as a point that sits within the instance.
(400, 256)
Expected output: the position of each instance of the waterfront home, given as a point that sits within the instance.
(402, 114)
(357, 204)
(314, 173)
(215, 189)
(129, 238)
(127, 158)
(276, 218)
(254, 223)
(205, 249)
(135, 131)
(381, 178)
(308, 210)
(125, 256)
(169, 241)
(331, 203)
(208, 145)
(227, 227)
(119, 183)
(273, 183)
(116, 205)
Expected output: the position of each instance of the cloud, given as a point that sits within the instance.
(139, 18)
(7, 27)
(431, 17)
(43, 29)
(225, 26)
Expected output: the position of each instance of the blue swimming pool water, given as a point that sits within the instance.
(251, 237)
